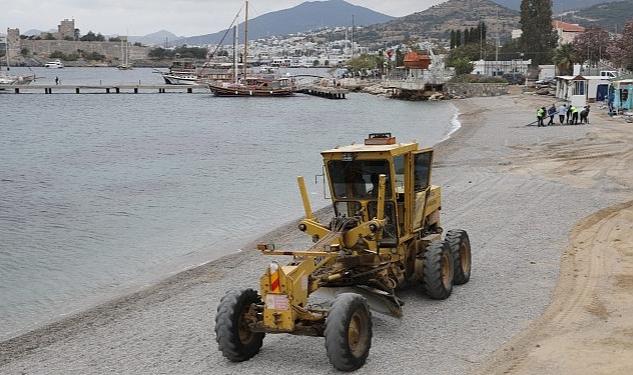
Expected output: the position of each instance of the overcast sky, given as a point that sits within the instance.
(140, 17)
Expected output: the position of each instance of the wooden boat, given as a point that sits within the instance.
(251, 86)
(254, 87)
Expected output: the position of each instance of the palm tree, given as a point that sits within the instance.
(564, 58)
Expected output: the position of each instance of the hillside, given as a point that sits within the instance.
(559, 5)
(155, 38)
(608, 15)
(437, 21)
(303, 17)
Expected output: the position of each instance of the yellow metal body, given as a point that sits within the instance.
(358, 250)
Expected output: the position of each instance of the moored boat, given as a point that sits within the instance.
(56, 64)
(254, 87)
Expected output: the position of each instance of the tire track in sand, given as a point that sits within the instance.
(588, 328)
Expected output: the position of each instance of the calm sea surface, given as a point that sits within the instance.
(103, 193)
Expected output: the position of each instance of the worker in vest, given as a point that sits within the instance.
(574, 115)
(540, 114)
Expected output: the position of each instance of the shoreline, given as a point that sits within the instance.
(472, 166)
(149, 282)
(134, 292)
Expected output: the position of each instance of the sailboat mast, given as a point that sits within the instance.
(235, 53)
(6, 49)
(244, 60)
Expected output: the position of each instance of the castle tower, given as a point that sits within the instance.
(14, 41)
(66, 29)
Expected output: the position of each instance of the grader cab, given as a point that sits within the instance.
(385, 235)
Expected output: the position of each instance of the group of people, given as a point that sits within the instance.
(569, 115)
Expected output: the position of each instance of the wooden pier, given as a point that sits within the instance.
(324, 92)
(104, 89)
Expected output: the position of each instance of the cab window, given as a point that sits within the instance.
(422, 170)
(358, 179)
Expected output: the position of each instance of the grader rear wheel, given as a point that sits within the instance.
(235, 339)
(437, 274)
(348, 332)
(460, 249)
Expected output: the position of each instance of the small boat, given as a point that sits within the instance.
(57, 64)
(254, 87)
(7, 79)
(181, 72)
(180, 79)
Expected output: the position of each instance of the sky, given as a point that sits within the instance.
(140, 17)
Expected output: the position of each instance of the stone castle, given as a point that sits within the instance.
(66, 40)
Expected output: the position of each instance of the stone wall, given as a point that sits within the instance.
(469, 90)
(112, 50)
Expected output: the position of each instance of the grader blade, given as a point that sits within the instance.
(378, 300)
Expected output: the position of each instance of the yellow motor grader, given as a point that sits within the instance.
(385, 235)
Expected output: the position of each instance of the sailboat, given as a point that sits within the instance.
(250, 86)
(125, 56)
(7, 79)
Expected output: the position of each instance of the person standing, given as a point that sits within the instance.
(574, 115)
(551, 112)
(540, 114)
(569, 114)
(56, 81)
(562, 111)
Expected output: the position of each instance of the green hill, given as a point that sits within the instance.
(437, 21)
(609, 15)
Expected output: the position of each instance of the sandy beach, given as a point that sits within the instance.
(551, 290)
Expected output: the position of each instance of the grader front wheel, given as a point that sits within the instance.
(235, 339)
(460, 249)
(348, 332)
(438, 270)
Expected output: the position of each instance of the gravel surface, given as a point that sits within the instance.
(518, 223)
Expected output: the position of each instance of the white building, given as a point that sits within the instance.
(499, 68)
(580, 90)
(567, 32)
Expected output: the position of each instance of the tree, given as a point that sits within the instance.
(453, 41)
(564, 59)
(458, 38)
(25, 52)
(462, 66)
(89, 37)
(49, 36)
(592, 45)
(399, 57)
(538, 39)
(621, 48)
(114, 39)
(315, 63)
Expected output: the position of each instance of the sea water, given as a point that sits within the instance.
(100, 192)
